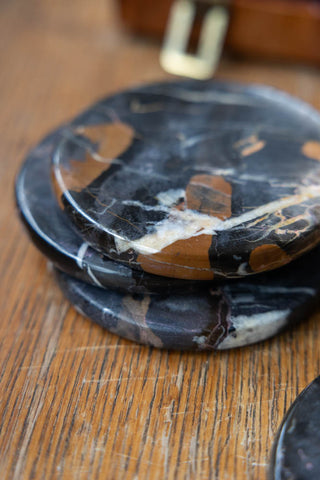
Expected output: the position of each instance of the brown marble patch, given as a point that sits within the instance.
(112, 140)
(80, 174)
(57, 188)
(182, 259)
(267, 257)
(250, 145)
(209, 194)
(135, 310)
(311, 150)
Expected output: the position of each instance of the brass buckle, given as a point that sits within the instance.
(175, 59)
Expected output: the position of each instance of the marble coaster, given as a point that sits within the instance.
(296, 453)
(231, 315)
(194, 180)
(51, 232)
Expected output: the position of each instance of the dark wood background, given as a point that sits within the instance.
(75, 401)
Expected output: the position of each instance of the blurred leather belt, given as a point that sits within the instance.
(277, 29)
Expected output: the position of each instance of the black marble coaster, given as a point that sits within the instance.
(195, 180)
(296, 454)
(221, 317)
(51, 232)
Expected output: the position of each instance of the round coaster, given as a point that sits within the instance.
(195, 180)
(296, 453)
(227, 316)
(50, 230)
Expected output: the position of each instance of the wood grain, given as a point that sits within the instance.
(77, 402)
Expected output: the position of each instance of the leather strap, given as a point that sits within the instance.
(278, 29)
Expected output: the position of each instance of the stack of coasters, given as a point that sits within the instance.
(163, 209)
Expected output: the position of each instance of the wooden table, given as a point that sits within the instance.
(76, 401)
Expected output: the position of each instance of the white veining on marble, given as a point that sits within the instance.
(143, 206)
(212, 97)
(200, 340)
(81, 253)
(254, 328)
(93, 277)
(243, 299)
(284, 290)
(80, 256)
(185, 224)
(167, 199)
(170, 197)
(242, 269)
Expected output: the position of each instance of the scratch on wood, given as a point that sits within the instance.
(40, 392)
(108, 380)
(165, 438)
(99, 347)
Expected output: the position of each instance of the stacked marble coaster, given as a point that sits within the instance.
(165, 208)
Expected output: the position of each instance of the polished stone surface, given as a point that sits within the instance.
(231, 315)
(194, 179)
(296, 454)
(51, 232)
